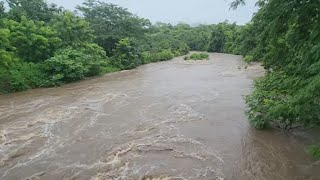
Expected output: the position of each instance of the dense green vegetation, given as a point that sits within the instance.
(314, 151)
(197, 56)
(285, 36)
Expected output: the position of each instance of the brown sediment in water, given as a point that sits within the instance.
(169, 120)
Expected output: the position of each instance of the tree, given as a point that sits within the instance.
(288, 96)
(7, 56)
(74, 63)
(72, 29)
(126, 55)
(2, 9)
(33, 40)
(236, 3)
(112, 23)
(37, 10)
(218, 41)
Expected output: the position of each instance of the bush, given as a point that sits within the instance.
(165, 55)
(21, 77)
(64, 68)
(95, 59)
(284, 102)
(198, 56)
(314, 151)
(148, 57)
(195, 57)
(34, 41)
(183, 50)
(248, 58)
(263, 100)
(176, 53)
(218, 41)
(157, 56)
(204, 56)
(126, 55)
(69, 64)
(75, 63)
(110, 69)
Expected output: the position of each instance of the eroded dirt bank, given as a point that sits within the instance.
(168, 120)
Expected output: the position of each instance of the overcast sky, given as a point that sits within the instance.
(174, 11)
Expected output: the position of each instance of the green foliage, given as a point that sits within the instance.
(37, 10)
(126, 55)
(19, 77)
(245, 41)
(110, 69)
(112, 23)
(248, 58)
(2, 9)
(157, 56)
(75, 63)
(72, 29)
(236, 3)
(271, 104)
(314, 151)
(33, 41)
(198, 56)
(7, 56)
(198, 38)
(163, 40)
(218, 41)
(286, 37)
(64, 68)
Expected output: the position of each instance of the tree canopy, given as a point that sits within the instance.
(112, 23)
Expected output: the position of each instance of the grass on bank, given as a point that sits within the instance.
(314, 151)
(197, 56)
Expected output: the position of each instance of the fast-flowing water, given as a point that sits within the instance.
(169, 120)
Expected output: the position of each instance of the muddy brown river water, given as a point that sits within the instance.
(167, 120)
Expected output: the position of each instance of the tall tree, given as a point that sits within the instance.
(2, 9)
(288, 43)
(37, 10)
(112, 23)
(7, 56)
(33, 40)
(218, 40)
(72, 29)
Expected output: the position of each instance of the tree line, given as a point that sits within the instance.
(285, 37)
(43, 45)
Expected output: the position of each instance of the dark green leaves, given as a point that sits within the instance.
(235, 4)
(33, 41)
(37, 10)
(288, 42)
(112, 23)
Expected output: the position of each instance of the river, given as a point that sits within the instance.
(168, 120)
